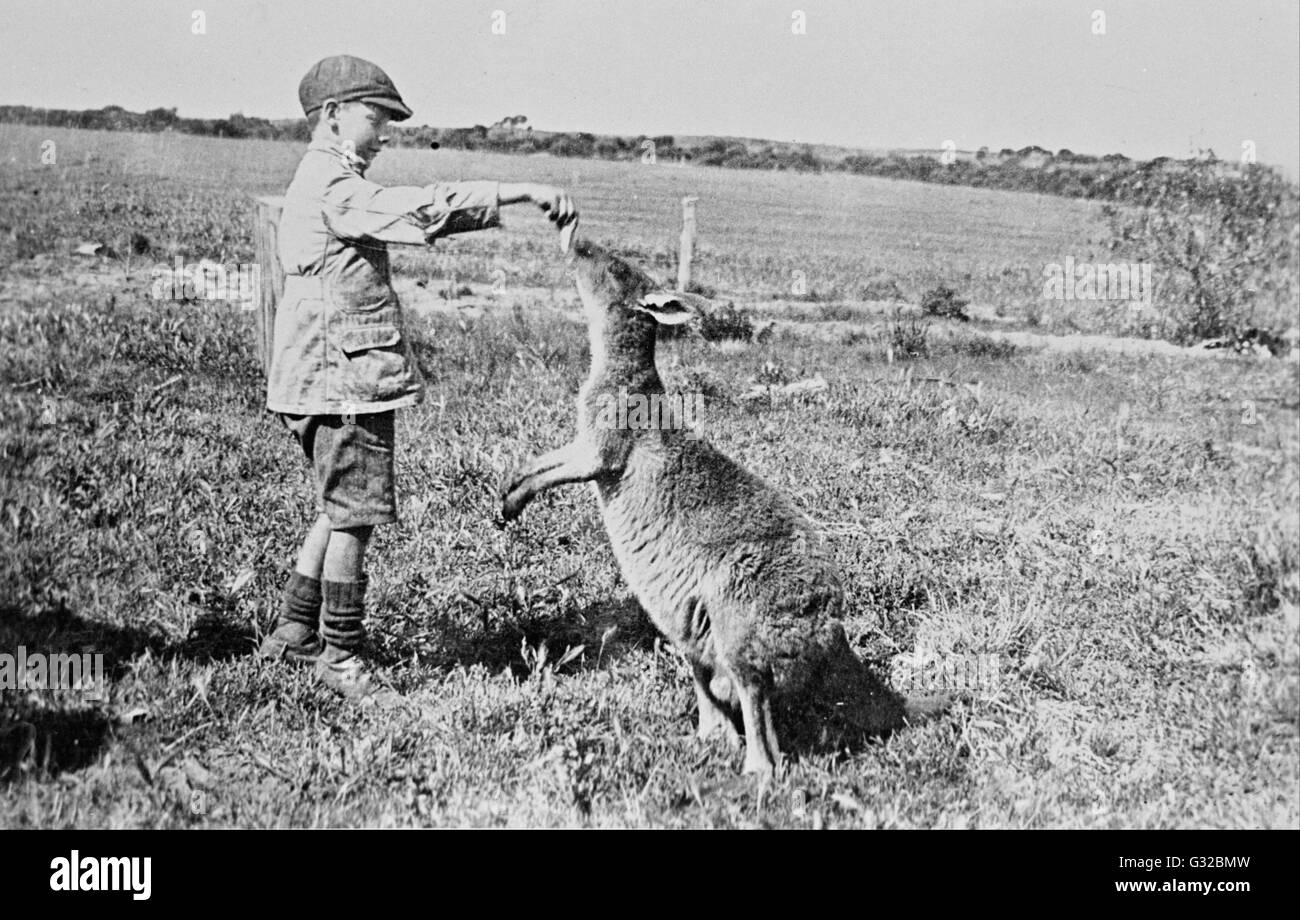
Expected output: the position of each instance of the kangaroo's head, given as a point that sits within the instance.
(623, 304)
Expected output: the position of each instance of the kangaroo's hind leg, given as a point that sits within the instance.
(762, 751)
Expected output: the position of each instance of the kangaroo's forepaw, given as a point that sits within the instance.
(512, 505)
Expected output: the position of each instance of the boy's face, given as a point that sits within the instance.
(360, 128)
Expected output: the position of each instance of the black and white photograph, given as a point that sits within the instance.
(686, 414)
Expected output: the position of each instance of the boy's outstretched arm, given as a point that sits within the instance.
(555, 202)
(356, 208)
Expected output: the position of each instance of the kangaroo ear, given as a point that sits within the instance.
(672, 308)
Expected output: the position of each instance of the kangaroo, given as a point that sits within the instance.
(725, 565)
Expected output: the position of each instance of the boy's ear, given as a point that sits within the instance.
(672, 308)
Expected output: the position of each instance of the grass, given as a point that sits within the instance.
(831, 236)
(1116, 529)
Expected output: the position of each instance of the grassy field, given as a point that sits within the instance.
(1119, 530)
(844, 234)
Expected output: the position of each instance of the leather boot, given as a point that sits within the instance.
(340, 665)
(294, 636)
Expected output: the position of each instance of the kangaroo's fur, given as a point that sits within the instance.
(726, 567)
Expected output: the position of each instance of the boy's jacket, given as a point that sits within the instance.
(338, 344)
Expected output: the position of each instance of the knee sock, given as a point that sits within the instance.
(301, 600)
(343, 619)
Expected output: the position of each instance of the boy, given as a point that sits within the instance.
(340, 363)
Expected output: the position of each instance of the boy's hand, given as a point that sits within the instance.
(557, 204)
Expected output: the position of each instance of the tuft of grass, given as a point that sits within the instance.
(908, 337)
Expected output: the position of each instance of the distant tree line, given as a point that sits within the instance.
(116, 118)
(1109, 178)
(1030, 169)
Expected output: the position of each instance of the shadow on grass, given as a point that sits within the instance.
(45, 733)
(490, 633)
(59, 630)
(213, 637)
(45, 741)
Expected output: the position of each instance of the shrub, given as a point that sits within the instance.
(1223, 240)
(727, 322)
(717, 324)
(944, 302)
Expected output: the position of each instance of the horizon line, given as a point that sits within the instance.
(1284, 169)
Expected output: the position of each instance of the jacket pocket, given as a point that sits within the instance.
(368, 362)
(354, 340)
(365, 291)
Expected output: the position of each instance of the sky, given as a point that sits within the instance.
(1151, 78)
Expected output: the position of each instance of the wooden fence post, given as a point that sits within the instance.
(688, 242)
(266, 227)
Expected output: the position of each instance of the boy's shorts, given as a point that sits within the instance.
(352, 464)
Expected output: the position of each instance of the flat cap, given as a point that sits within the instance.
(350, 79)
